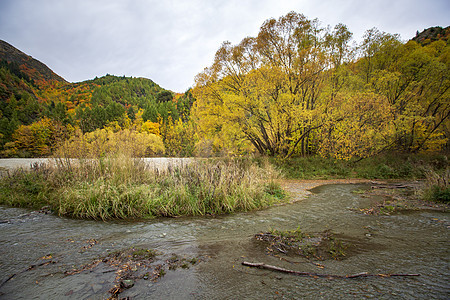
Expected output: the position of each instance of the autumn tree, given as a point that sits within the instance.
(269, 90)
(40, 138)
(414, 80)
(103, 141)
(179, 137)
(298, 89)
(265, 88)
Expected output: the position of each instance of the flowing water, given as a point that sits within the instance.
(412, 242)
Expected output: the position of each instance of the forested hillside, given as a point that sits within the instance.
(39, 110)
(432, 34)
(24, 64)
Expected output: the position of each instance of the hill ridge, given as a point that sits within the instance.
(432, 34)
(34, 68)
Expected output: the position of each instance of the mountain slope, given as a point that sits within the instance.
(432, 34)
(35, 69)
(36, 103)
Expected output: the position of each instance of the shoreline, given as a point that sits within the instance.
(299, 189)
(10, 164)
(394, 197)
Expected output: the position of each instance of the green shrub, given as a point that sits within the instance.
(25, 188)
(437, 186)
(385, 166)
(313, 167)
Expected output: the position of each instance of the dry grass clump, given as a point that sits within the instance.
(119, 186)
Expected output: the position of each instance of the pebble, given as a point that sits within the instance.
(127, 283)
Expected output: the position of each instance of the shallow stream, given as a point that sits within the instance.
(410, 242)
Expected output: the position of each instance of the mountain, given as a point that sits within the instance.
(432, 34)
(35, 69)
(31, 95)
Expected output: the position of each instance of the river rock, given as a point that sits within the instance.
(127, 283)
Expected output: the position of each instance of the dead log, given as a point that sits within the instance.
(297, 273)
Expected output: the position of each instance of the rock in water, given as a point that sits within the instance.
(126, 284)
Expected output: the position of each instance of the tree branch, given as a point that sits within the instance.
(297, 273)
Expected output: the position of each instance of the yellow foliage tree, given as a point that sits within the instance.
(40, 138)
(151, 127)
(299, 89)
(355, 125)
(266, 90)
(179, 137)
(100, 142)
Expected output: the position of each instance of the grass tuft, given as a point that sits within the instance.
(117, 186)
(437, 186)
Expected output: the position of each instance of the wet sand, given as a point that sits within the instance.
(299, 189)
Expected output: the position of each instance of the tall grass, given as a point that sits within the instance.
(437, 186)
(386, 166)
(118, 186)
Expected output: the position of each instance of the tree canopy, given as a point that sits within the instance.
(299, 88)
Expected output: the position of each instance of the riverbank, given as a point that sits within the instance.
(126, 188)
(382, 167)
(392, 196)
(301, 188)
(121, 187)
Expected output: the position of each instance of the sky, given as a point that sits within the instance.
(171, 41)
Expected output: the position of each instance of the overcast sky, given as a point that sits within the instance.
(172, 41)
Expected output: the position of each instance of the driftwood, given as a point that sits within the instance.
(297, 273)
(392, 186)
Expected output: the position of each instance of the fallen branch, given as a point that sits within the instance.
(297, 273)
(393, 186)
